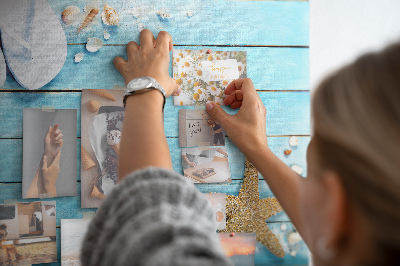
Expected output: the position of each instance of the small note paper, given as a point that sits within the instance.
(204, 76)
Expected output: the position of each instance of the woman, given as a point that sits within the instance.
(217, 129)
(347, 209)
(10, 250)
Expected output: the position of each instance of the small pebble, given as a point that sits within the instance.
(106, 35)
(232, 234)
(283, 227)
(140, 26)
(293, 141)
(78, 57)
(297, 169)
(293, 253)
(287, 152)
(189, 13)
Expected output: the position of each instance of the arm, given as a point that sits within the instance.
(185, 158)
(205, 122)
(222, 152)
(250, 121)
(36, 186)
(143, 141)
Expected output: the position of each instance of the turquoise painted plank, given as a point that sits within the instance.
(295, 254)
(67, 207)
(270, 68)
(213, 22)
(11, 165)
(288, 112)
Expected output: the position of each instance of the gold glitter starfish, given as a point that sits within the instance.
(247, 213)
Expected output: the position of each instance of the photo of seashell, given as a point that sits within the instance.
(109, 15)
(93, 106)
(104, 94)
(70, 14)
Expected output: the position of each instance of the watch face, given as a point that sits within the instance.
(141, 83)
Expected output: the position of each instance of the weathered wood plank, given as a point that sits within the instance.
(213, 22)
(288, 112)
(269, 68)
(11, 165)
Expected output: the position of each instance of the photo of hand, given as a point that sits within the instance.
(44, 182)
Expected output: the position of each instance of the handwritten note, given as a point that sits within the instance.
(219, 70)
(194, 128)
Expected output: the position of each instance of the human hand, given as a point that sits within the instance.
(247, 129)
(192, 164)
(150, 59)
(53, 142)
(50, 175)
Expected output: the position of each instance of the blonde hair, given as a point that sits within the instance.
(356, 114)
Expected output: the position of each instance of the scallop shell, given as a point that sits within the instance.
(293, 141)
(94, 44)
(70, 14)
(93, 106)
(140, 26)
(109, 15)
(78, 57)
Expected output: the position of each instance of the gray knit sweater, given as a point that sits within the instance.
(153, 217)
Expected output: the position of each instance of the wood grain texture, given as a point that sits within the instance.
(270, 68)
(288, 112)
(213, 22)
(11, 165)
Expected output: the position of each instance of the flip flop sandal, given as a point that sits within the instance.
(2, 69)
(34, 43)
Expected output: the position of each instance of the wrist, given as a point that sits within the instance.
(149, 100)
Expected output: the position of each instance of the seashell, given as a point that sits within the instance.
(162, 13)
(294, 238)
(87, 161)
(104, 94)
(297, 169)
(140, 26)
(189, 13)
(106, 35)
(94, 44)
(70, 14)
(93, 106)
(78, 57)
(283, 227)
(293, 141)
(293, 253)
(88, 18)
(109, 15)
(287, 152)
(95, 193)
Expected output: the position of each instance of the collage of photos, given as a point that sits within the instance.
(72, 234)
(49, 153)
(102, 114)
(28, 233)
(206, 165)
(198, 128)
(204, 74)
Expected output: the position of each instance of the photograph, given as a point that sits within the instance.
(197, 128)
(102, 114)
(218, 201)
(49, 153)
(204, 74)
(206, 165)
(72, 233)
(28, 233)
(239, 247)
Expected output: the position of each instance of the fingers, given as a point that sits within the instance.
(217, 112)
(119, 63)
(245, 85)
(164, 41)
(132, 48)
(54, 129)
(146, 40)
(59, 136)
(60, 142)
(235, 99)
(177, 92)
(48, 132)
(44, 163)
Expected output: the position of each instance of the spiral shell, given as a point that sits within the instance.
(109, 15)
(70, 14)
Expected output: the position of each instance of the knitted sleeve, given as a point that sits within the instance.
(154, 217)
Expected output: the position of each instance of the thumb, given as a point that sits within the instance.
(217, 113)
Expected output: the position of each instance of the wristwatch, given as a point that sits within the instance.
(143, 85)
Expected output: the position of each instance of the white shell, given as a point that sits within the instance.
(283, 227)
(106, 35)
(78, 57)
(297, 169)
(294, 238)
(189, 13)
(136, 12)
(70, 14)
(94, 44)
(293, 141)
(293, 253)
(140, 26)
(163, 14)
(109, 15)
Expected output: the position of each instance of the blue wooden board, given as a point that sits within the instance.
(270, 68)
(275, 36)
